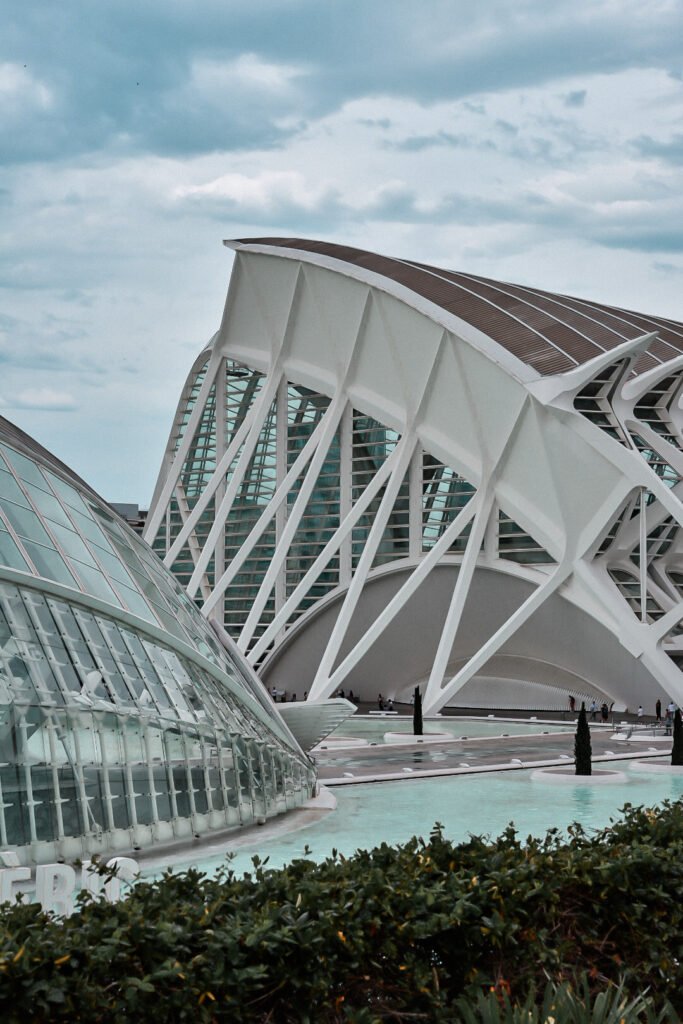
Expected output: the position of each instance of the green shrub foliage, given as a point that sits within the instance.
(429, 931)
(417, 712)
(582, 745)
(677, 748)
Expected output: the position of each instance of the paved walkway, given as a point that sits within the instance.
(462, 756)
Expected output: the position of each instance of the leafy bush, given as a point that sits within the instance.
(428, 931)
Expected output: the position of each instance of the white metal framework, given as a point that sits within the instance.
(369, 486)
(125, 719)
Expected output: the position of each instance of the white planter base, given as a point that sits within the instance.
(661, 765)
(565, 775)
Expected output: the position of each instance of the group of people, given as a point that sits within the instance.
(384, 705)
(593, 708)
(605, 710)
(281, 695)
(349, 696)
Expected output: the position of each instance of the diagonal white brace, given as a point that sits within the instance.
(264, 402)
(403, 595)
(406, 446)
(160, 501)
(502, 634)
(329, 551)
(217, 477)
(460, 592)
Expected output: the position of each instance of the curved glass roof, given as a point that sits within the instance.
(54, 527)
(551, 333)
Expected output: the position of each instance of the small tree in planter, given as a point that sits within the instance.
(417, 712)
(582, 745)
(677, 748)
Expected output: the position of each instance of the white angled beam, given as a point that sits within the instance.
(643, 555)
(161, 501)
(405, 592)
(406, 446)
(265, 518)
(460, 592)
(264, 402)
(329, 424)
(192, 542)
(214, 484)
(334, 544)
(495, 642)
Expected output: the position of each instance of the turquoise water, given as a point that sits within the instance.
(373, 729)
(392, 812)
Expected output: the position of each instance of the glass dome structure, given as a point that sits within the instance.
(126, 719)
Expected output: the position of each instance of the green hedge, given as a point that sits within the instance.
(396, 934)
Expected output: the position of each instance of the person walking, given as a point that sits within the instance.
(572, 702)
(658, 710)
(640, 711)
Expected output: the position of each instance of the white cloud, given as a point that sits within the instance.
(513, 143)
(264, 190)
(19, 88)
(43, 398)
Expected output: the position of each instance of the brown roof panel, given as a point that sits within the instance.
(551, 333)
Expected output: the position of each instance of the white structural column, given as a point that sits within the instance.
(643, 555)
(434, 704)
(269, 511)
(336, 543)
(165, 486)
(264, 402)
(329, 425)
(216, 481)
(418, 575)
(460, 591)
(192, 542)
(406, 447)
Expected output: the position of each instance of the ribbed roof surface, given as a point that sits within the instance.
(551, 333)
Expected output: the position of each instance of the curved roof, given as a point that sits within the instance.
(54, 527)
(550, 333)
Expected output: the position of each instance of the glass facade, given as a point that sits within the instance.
(124, 719)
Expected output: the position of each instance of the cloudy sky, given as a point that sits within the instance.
(527, 141)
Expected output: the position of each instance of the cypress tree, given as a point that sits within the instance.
(677, 748)
(417, 713)
(582, 744)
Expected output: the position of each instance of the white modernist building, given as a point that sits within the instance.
(382, 474)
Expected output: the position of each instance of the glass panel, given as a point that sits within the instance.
(114, 568)
(49, 563)
(48, 506)
(66, 492)
(25, 468)
(71, 543)
(136, 603)
(9, 488)
(94, 583)
(9, 552)
(26, 523)
(90, 530)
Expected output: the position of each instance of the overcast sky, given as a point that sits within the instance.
(528, 141)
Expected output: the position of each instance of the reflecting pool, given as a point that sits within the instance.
(373, 728)
(392, 812)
